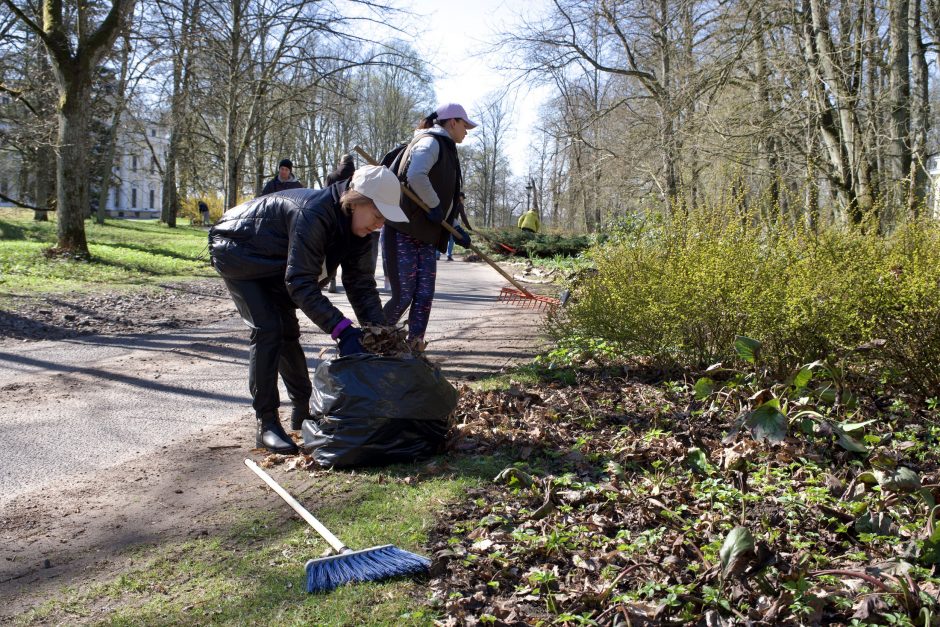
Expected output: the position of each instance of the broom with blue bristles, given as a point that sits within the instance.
(326, 573)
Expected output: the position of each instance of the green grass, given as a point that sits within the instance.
(124, 253)
(526, 374)
(253, 572)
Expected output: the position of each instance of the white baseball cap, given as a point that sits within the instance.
(382, 187)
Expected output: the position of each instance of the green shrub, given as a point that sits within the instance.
(909, 315)
(679, 291)
(542, 245)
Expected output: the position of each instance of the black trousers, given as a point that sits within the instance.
(274, 344)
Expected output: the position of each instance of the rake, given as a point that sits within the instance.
(326, 573)
(516, 294)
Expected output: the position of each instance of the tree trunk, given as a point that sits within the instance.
(107, 164)
(766, 144)
(72, 199)
(107, 168)
(810, 184)
(670, 154)
(45, 192)
(182, 80)
(920, 113)
(899, 96)
(849, 167)
(230, 165)
(259, 161)
(170, 207)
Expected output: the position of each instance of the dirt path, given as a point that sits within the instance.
(118, 440)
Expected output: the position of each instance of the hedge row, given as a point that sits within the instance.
(679, 292)
(526, 244)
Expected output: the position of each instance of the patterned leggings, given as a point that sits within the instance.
(412, 270)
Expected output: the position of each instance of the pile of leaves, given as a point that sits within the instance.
(391, 341)
(632, 504)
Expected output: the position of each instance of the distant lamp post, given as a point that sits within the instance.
(528, 193)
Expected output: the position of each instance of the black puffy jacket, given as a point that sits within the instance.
(302, 235)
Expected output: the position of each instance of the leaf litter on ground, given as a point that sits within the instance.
(630, 505)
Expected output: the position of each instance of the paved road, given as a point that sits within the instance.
(71, 408)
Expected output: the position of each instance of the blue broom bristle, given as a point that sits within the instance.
(380, 562)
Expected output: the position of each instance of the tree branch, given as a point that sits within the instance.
(20, 203)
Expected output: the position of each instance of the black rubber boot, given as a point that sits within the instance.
(271, 436)
(297, 417)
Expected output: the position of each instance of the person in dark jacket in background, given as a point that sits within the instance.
(275, 253)
(204, 213)
(284, 180)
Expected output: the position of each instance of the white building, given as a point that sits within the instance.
(933, 193)
(137, 183)
(137, 180)
(12, 176)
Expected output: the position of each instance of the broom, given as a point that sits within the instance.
(326, 573)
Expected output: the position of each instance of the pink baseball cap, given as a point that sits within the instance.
(451, 110)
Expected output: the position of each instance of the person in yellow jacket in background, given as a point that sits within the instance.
(529, 221)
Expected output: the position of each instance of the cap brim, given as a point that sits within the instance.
(471, 124)
(392, 213)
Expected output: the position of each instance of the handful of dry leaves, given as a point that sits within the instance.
(390, 341)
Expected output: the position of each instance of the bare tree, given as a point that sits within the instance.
(491, 136)
(176, 27)
(27, 121)
(74, 46)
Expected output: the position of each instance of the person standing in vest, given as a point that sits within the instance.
(284, 180)
(431, 169)
(529, 221)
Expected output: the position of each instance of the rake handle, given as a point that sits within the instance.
(410, 194)
(335, 542)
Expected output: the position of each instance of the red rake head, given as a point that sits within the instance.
(521, 299)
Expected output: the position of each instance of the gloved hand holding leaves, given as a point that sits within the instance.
(350, 342)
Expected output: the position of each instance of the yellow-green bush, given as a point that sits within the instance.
(679, 291)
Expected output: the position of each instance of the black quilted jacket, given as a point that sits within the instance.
(302, 235)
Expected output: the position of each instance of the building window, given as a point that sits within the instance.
(117, 197)
(153, 132)
(134, 198)
(151, 199)
(153, 165)
(4, 189)
(134, 163)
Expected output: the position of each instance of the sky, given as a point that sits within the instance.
(453, 36)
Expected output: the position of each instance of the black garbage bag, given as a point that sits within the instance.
(375, 410)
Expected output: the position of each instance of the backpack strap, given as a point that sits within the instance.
(404, 159)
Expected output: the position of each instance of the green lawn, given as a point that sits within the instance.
(252, 573)
(124, 253)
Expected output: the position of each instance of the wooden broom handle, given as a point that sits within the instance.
(407, 191)
(335, 542)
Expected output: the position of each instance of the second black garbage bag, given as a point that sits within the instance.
(376, 410)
